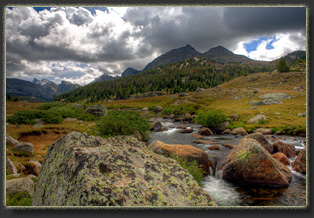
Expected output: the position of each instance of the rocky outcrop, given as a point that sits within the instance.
(15, 186)
(239, 131)
(249, 162)
(275, 96)
(288, 149)
(262, 140)
(26, 147)
(83, 170)
(96, 110)
(299, 164)
(185, 151)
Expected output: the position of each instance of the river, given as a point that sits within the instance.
(228, 194)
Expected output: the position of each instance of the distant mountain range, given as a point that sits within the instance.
(47, 90)
(43, 90)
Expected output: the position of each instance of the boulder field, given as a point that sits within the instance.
(83, 170)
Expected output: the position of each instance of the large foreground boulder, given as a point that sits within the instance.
(188, 152)
(250, 162)
(83, 170)
(299, 164)
(262, 140)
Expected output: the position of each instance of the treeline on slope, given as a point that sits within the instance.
(184, 76)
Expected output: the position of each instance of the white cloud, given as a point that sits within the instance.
(284, 43)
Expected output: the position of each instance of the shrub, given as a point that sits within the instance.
(211, 119)
(87, 117)
(192, 168)
(67, 111)
(52, 117)
(19, 199)
(122, 123)
(184, 108)
(50, 105)
(282, 65)
(25, 117)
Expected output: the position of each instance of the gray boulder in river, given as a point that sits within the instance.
(83, 170)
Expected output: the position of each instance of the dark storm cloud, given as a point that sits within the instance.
(99, 36)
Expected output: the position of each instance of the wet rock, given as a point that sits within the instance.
(15, 186)
(10, 166)
(11, 141)
(83, 170)
(202, 141)
(158, 109)
(197, 136)
(189, 152)
(262, 140)
(278, 133)
(239, 131)
(250, 162)
(156, 126)
(97, 110)
(205, 131)
(214, 147)
(282, 158)
(227, 145)
(226, 131)
(257, 119)
(263, 131)
(222, 127)
(299, 164)
(288, 149)
(185, 130)
(26, 147)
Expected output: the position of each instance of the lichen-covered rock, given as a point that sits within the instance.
(239, 131)
(97, 110)
(299, 164)
(15, 186)
(186, 151)
(262, 140)
(26, 147)
(249, 162)
(83, 170)
(286, 148)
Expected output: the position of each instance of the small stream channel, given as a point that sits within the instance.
(228, 194)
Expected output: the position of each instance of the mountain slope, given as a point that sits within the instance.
(223, 55)
(294, 56)
(104, 77)
(129, 71)
(173, 56)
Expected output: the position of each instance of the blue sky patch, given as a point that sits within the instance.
(252, 46)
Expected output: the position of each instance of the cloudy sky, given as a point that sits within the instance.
(79, 44)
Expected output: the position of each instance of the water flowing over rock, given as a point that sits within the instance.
(288, 149)
(96, 110)
(185, 151)
(249, 162)
(15, 186)
(299, 164)
(262, 140)
(83, 170)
